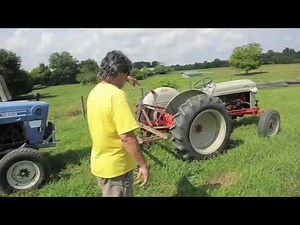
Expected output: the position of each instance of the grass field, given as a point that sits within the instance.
(252, 166)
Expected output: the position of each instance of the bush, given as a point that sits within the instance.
(165, 83)
(138, 74)
(85, 78)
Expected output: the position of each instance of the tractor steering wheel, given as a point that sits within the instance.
(203, 83)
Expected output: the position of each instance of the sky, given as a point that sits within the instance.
(168, 46)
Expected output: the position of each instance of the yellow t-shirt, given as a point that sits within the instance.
(109, 116)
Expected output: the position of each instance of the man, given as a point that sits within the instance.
(115, 150)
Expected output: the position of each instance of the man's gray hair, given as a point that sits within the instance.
(113, 63)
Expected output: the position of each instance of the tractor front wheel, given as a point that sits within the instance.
(23, 169)
(201, 128)
(269, 123)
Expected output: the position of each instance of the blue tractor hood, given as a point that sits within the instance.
(19, 111)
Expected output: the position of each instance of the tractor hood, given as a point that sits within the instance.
(17, 111)
(235, 86)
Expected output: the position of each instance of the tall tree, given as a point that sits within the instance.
(64, 67)
(139, 65)
(160, 69)
(41, 75)
(246, 57)
(288, 51)
(155, 63)
(89, 65)
(17, 79)
(88, 70)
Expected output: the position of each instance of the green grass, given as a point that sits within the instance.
(252, 166)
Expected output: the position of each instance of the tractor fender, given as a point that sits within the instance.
(176, 101)
(159, 97)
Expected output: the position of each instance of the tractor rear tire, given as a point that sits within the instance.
(201, 128)
(269, 123)
(23, 169)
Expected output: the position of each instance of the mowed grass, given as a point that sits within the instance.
(252, 166)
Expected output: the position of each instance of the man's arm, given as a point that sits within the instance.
(130, 143)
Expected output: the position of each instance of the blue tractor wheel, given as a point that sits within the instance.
(23, 169)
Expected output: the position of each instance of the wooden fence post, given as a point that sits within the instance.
(82, 106)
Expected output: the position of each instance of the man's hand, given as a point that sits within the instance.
(144, 172)
(132, 81)
(132, 146)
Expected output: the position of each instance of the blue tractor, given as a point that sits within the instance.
(23, 130)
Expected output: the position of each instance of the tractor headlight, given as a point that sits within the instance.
(254, 90)
(38, 112)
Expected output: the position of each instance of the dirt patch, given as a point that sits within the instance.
(226, 179)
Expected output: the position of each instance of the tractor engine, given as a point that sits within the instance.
(239, 96)
(236, 101)
(11, 135)
(25, 122)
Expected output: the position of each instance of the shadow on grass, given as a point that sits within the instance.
(60, 161)
(232, 145)
(250, 74)
(164, 145)
(154, 158)
(39, 86)
(37, 96)
(247, 120)
(168, 148)
(186, 189)
(47, 95)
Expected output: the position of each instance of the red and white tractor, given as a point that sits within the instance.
(200, 119)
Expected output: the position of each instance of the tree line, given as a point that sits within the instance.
(63, 68)
(287, 56)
